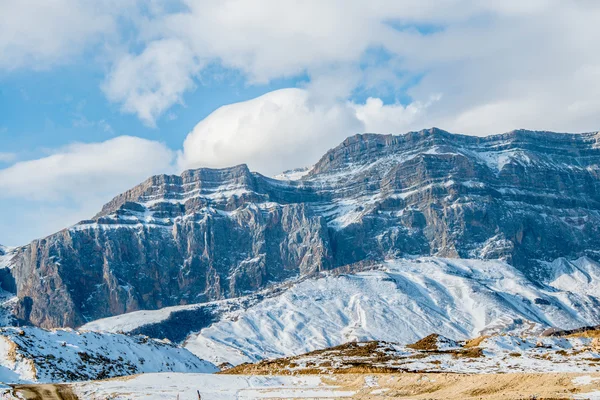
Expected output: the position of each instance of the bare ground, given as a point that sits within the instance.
(463, 386)
(45, 392)
(444, 386)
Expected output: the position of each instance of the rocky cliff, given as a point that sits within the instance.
(524, 197)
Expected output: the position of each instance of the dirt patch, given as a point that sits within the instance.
(466, 386)
(594, 333)
(45, 392)
(475, 342)
(473, 352)
(429, 343)
(585, 331)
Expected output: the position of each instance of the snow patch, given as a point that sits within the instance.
(214, 387)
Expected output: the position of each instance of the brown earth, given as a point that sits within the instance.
(465, 386)
(45, 392)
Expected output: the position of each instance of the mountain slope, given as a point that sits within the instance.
(399, 301)
(525, 197)
(35, 355)
(402, 301)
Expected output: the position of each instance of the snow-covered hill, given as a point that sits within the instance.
(402, 301)
(31, 354)
(434, 353)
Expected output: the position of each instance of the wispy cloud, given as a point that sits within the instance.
(82, 171)
(82, 122)
(7, 157)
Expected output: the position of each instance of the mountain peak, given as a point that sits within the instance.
(361, 148)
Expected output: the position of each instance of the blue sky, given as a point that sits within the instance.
(97, 96)
(43, 109)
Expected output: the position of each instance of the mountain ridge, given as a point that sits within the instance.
(208, 234)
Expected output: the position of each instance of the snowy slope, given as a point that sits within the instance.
(215, 387)
(176, 323)
(136, 319)
(6, 255)
(402, 301)
(31, 354)
(293, 174)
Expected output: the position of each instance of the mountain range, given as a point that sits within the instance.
(386, 237)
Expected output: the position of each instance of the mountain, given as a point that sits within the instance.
(402, 301)
(397, 301)
(527, 198)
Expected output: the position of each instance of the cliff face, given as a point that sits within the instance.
(526, 197)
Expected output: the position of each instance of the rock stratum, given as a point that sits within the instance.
(527, 198)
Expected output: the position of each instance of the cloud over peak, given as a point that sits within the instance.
(287, 128)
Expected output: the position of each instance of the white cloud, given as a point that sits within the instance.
(39, 197)
(86, 171)
(149, 83)
(288, 128)
(378, 117)
(476, 54)
(38, 34)
(270, 133)
(7, 157)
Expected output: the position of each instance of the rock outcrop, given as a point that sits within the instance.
(524, 197)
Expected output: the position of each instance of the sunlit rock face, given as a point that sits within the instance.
(524, 197)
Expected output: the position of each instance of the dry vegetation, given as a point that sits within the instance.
(45, 392)
(465, 386)
(428, 343)
(354, 358)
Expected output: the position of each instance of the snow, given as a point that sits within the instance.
(293, 174)
(496, 160)
(136, 319)
(584, 380)
(582, 273)
(402, 301)
(214, 387)
(6, 255)
(32, 354)
(595, 395)
(495, 354)
(133, 320)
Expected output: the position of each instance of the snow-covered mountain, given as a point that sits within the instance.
(403, 301)
(398, 301)
(30, 354)
(385, 238)
(525, 197)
